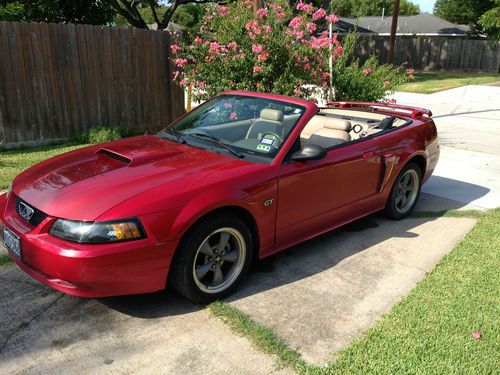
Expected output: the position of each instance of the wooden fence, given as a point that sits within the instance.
(57, 80)
(434, 52)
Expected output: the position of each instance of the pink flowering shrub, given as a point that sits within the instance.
(277, 50)
(270, 51)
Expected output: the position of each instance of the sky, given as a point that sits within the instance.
(425, 5)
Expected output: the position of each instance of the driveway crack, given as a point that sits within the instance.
(25, 325)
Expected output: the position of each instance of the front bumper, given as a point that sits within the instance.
(85, 270)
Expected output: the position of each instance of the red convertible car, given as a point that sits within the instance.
(240, 177)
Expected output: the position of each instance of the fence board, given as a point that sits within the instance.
(434, 52)
(57, 80)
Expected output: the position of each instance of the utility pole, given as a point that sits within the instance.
(394, 27)
(257, 4)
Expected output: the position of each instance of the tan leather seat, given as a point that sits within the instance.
(270, 120)
(333, 131)
(319, 122)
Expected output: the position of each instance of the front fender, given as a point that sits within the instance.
(209, 201)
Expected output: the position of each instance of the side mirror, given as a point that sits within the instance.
(309, 152)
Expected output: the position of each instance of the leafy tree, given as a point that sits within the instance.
(136, 14)
(465, 12)
(358, 8)
(188, 15)
(490, 22)
(94, 12)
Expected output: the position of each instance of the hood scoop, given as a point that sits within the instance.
(114, 155)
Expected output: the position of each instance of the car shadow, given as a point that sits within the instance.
(151, 306)
(298, 262)
(315, 255)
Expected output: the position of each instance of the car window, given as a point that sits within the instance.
(250, 125)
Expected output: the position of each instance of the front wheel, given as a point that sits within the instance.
(212, 258)
(404, 193)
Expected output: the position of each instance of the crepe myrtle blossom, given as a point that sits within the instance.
(263, 56)
(261, 13)
(180, 62)
(223, 10)
(257, 48)
(367, 71)
(257, 69)
(233, 46)
(318, 14)
(306, 8)
(295, 23)
(332, 18)
(175, 47)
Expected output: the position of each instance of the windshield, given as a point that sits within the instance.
(238, 125)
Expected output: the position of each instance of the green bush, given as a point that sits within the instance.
(367, 82)
(100, 134)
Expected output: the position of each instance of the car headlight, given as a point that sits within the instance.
(97, 232)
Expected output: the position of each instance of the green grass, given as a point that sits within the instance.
(429, 82)
(262, 337)
(14, 162)
(5, 260)
(430, 330)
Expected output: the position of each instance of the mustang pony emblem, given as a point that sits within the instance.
(26, 211)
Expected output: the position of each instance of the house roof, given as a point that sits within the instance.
(420, 24)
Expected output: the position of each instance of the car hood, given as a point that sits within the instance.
(85, 183)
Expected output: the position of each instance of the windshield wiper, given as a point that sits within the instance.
(218, 142)
(174, 135)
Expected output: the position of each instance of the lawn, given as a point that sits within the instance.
(430, 331)
(429, 82)
(14, 162)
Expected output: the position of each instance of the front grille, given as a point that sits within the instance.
(38, 216)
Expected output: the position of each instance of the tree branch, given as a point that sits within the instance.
(152, 5)
(129, 12)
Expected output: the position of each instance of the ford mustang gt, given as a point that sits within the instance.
(240, 177)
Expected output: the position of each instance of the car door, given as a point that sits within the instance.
(316, 195)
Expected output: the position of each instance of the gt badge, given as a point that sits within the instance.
(268, 202)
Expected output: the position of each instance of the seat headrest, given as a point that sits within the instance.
(337, 124)
(271, 114)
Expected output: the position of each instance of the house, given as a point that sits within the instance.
(423, 24)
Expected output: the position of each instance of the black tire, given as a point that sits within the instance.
(394, 208)
(191, 257)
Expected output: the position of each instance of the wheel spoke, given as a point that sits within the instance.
(202, 270)
(206, 249)
(231, 257)
(218, 275)
(398, 198)
(406, 180)
(224, 239)
(403, 200)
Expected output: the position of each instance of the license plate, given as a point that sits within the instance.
(12, 241)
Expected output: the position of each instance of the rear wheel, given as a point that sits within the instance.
(212, 258)
(404, 193)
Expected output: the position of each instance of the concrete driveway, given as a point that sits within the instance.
(317, 296)
(468, 122)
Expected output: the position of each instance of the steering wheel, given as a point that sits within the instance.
(357, 128)
(279, 140)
